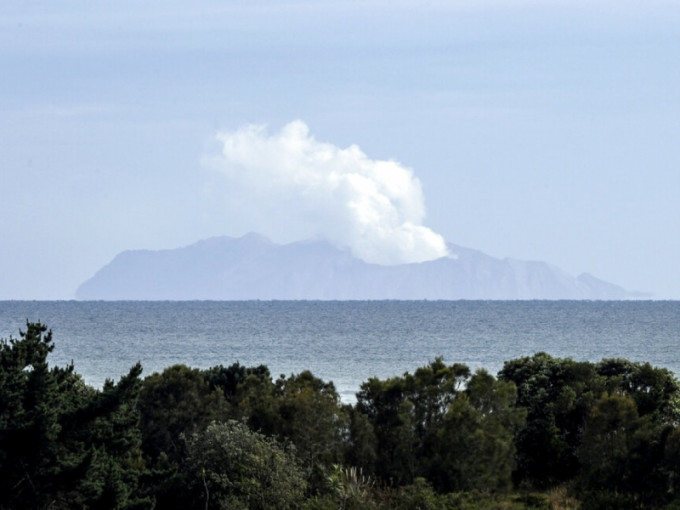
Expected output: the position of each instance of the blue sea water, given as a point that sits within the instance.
(346, 342)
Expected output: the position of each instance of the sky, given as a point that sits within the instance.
(529, 129)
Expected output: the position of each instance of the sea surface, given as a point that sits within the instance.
(346, 342)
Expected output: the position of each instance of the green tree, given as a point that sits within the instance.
(557, 394)
(233, 467)
(251, 394)
(475, 442)
(314, 420)
(63, 444)
(29, 418)
(405, 414)
(231, 379)
(173, 402)
(671, 465)
(361, 444)
(390, 413)
(101, 439)
(655, 391)
(622, 453)
(439, 423)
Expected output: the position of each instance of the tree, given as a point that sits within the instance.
(101, 439)
(655, 391)
(439, 423)
(557, 394)
(405, 414)
(622, 452)
(361, 445)
(29, 412)
(589, 421)
(314, 420)
(63, 444)
(234, 467)
(251, 394)
(176, 401)
(475, 443)
(390, 414)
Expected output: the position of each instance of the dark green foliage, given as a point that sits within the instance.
(361, 445)
(350, 488)
(622, 452)
(174, 402)
(475, 444)
(62, 444)
(231, 379)
(440, 437)
(233, 467)
(557, 394)
(432, 424)
(419, 494)
(251, 394)
(655, 391)
(605, 425)
(300, 408)
(404, 413)
(314, 420)
(29, 425)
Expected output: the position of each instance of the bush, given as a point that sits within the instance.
(235, 467)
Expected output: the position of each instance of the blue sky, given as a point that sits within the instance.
(539, 130)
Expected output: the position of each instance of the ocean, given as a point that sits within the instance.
(346, 342)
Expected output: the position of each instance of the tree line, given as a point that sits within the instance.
(544, 432)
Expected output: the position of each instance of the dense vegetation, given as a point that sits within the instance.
(544, 433)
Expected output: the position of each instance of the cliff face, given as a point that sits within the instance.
(252, 267)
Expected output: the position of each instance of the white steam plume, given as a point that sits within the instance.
(290, 183)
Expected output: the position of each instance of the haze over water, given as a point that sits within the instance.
(346, 342)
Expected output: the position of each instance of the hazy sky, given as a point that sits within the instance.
(538, 130)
